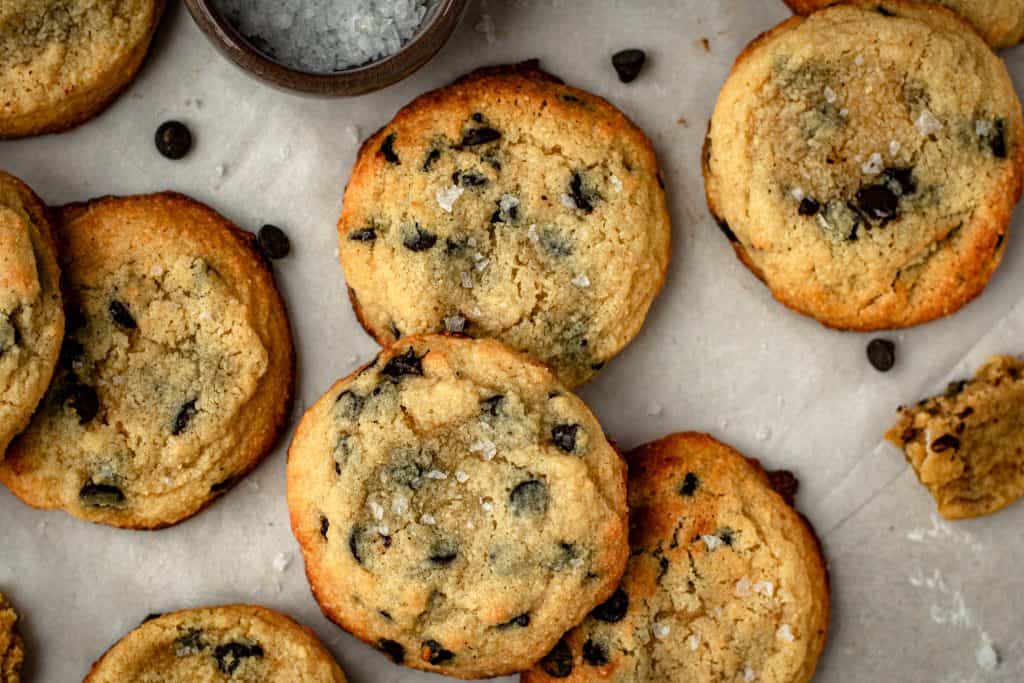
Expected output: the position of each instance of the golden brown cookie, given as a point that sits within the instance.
(177, 369)
(237, 643)
(868, 182)
(12, 649)
(725, 581)
(64, 61)
(967, 445)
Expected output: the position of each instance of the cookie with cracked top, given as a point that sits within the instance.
(12, 648)
(457, 507)
(1000, 23)
(967, 445)
(725, 581)
(64, 61)
(176, 371)
(868, 182)
(481, 209)
(239, 643)
(31, 311)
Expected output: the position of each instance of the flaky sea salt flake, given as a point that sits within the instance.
(447, 196)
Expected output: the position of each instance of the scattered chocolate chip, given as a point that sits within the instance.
(443, 553)
(432, 156)
(387, 148)
(173, 139)
(421, 240)
(903, 177)
(230, 655)
(628, 64)
(580, 197)
(184, 416)
(469, 179)
(594, 653)
(882, 354)
(433, 652)
(997, 139)
(726, 534)
(83, 400)
(945, 443)
(406, 364)
(392, 649)
(355, 541)
(878, 201)
(613, 609)
(120, 314)
(325, 526)
(492, 405)
(521, 621)
(965, 413)
(564, 436)
(70, 351)
(690, 484)
(529, 498)
(784, 483)
(101, 495)
(558, 662)
(479, 136)
(273, 242)
(726, 230)
(808, 207)
(363, 235)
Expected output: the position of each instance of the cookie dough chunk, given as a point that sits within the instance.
(1000, 22)
(725, 580)
(967, 445)
(12, 649)
(864, 163)
(510, 206)
(238, 643)
(457, 507)
(64, 61)
(31, 312)
(176, 373)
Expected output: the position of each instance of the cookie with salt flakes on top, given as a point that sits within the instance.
(725, 581)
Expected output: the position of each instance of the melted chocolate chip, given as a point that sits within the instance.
(325, 526)
(273, 242)
(190, 643)
(120, 314)
(521, 621)
(406, 364)
(432, 156)
(580, 197)
(613, 609)
(690, 485)
(878, 201)
(421, 240)
(479, 136)
(529, 498)
(882, 354)
(558, 662)
(564, 436)
(173, 139)
(595, 653)
(808, 207)
(184, 416)
(387, 148)
(363, 235)
(101, 495)
(355, 541)
(944, 443)
(433, 652)
(230, 655)
(83, 400)
(628, 63)
(392, 649)
(997, 139)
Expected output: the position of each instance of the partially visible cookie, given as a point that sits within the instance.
(177, 369)
(967, 445)
(457, 507)
(725, 581)
(1000, 22)
(64, 61)
(12, 649)
(31, 312)
(864, 162)
(508, 205)
(238, 643)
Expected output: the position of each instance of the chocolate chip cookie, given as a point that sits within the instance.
(230, 643)
(967, 445)
(864, 163)
(64, 61)
(1000, 22)
(481, 209)
(725, 580)
(457, 506)
(31, 312)
(12, 649)
(176, 372)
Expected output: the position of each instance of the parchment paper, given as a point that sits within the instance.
(915, 598)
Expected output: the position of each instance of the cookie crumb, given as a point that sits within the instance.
(706, 44)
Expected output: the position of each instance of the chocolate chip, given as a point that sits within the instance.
(726, 534)
(945, 443)
(580, 197)
(882, 354)
(878, 201)
(432, 156)
(564, 436)
(492, 405)
(184, 416)
(273, 242)
(406, 364)
(363, 235)
(433, 652)
(392, 649)
(690, 484)
(808, 207)
(190, 643)
(529, 498)
(230, 655)
(996, 139)
(558, 662)
(726, 230)
(70, 351)
(903, 177)
(120, 314)
(613, 609)
(101, 495)
(594, 653)
(421, 240)
(325, 525)
(83, 400)
(522, 621)
(173, 139)
(469, 179)
(443, 553)
(387, 148)
(479, 136)
(628, 64)
(965, 413)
